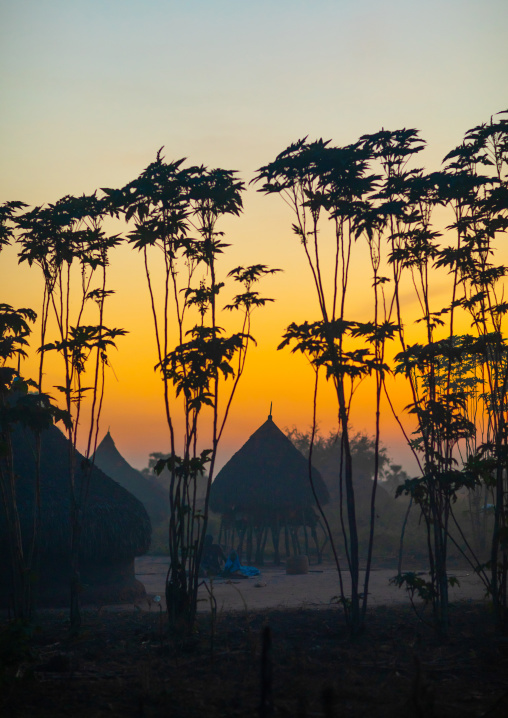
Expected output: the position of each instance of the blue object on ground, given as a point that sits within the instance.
(233, 565)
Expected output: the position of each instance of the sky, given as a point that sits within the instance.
(92, 89)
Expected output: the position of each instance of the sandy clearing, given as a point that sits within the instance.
(274, 589)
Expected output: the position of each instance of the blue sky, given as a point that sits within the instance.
(92, 89)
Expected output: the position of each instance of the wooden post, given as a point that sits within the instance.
(259, 538)
(263, 544)
(295, 542)
(275, 541)
(249, 544)
(239, 550)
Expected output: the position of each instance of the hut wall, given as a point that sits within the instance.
(116, 528)
(102, 583)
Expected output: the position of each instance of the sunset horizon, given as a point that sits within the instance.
(77, 121)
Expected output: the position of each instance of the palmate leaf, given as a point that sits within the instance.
(251, 274)
(66, 231)
(10, 380)
(501, 308)
(99, 295)
(295, 166)
(431, 320)
(415, 585)
(247, 301)
(186, 467)
(203, 296)
(14, 331)
(318, 341)
(192, 366)
(299, 233)
(375, 334)
(7, 217)
(497, 199)
(394, 144)
(305, 335)
(213, 192)
(74, 395)
(86, 337)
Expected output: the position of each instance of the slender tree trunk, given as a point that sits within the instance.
(316, 543)
(354, 564)
(306, 536)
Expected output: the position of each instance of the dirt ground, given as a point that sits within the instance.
(274, 589)
(276, 647)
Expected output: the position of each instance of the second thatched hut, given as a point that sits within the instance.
(265, 489)
(116, 526)
(153, 497)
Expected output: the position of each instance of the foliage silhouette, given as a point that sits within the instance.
(35, 413)
(458, 383)
(167, 203)
(457, 375)
(67, 242)
(317, 180)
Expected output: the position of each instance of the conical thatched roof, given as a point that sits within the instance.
(116, 525)
(268, 475)
(154, 499)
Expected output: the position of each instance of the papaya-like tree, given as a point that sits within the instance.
(324, 183)
(476, 189)
(20, 408)
(456, 381)
(405, 200)
(175, 211)
(67, 242)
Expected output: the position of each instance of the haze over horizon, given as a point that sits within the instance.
(93, 89)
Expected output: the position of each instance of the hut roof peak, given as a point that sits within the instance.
(267, 471)
(108, 435)
(111, 461)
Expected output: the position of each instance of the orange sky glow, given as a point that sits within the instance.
(92, 91)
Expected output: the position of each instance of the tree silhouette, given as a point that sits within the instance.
(33, 412)
(454, 380)
(61, 239)
(169, 203)
(320, 181)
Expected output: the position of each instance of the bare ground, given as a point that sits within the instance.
(274, 589)
(124, 665)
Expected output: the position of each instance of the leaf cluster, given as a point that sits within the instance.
(323, 344)
(194, 366)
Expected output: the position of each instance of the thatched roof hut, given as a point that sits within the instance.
(116, 526)
(153, 498)
(267, 475)
(265, 485)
